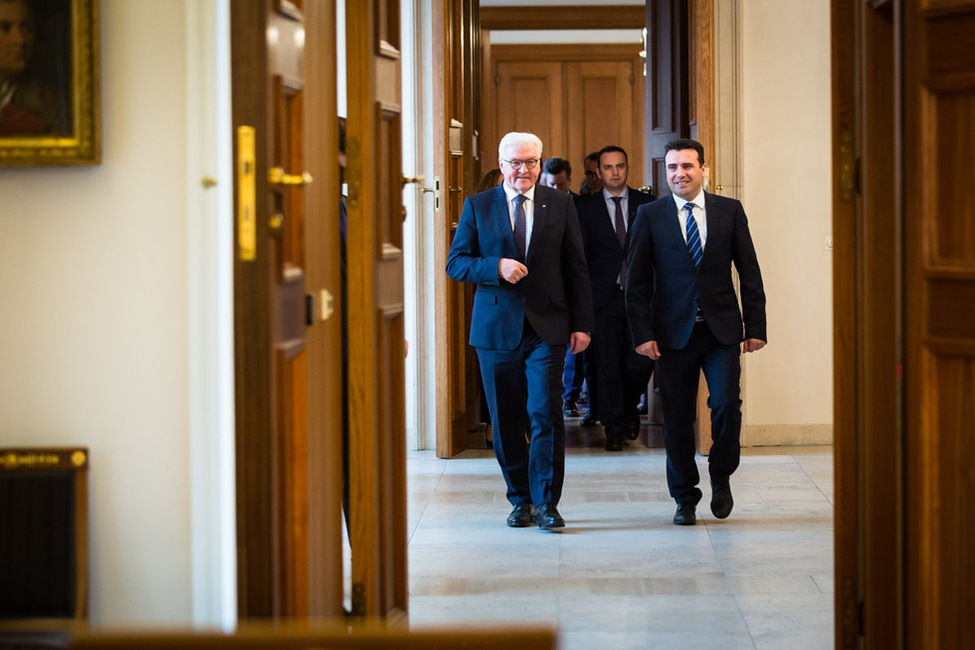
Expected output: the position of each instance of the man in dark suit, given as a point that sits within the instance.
(684, 314)
(520, 243)
(606, 219)
(557, 174)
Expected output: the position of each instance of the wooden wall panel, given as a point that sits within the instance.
(530, 99)
(584, 99)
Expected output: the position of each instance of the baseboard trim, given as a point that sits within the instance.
(767, 435)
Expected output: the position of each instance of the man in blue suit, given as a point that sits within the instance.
(520, 244)
(684, 314)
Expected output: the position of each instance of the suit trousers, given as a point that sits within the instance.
(679, 372)
(533, 472)
(622, 374)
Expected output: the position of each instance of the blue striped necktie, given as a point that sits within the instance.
(521, 225)
(693, 237)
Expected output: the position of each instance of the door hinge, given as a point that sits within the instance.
(358, 599)
(497, 80)
(852, 624)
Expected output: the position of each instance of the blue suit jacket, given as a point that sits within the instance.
(554, 296)
(662, 280)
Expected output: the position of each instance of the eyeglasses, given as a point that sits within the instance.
(531, 163)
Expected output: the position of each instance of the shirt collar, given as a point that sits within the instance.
(510, 194)
(608, 196)
(697, 200)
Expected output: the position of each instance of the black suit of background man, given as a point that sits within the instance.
(622, 375)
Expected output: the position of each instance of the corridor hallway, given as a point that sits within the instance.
(621, 575)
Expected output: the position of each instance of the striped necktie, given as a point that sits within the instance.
(693, 237)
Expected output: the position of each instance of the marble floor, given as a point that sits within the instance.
(621, 575)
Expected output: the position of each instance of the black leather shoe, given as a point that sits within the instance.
(589, 420)
(686, 514)
(570, 410)
(521, 516)
(721, 500)
(547, 517)
(614, 442)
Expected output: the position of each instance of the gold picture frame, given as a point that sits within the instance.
(49, 109)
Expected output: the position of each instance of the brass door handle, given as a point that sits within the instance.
(415, 179)
(277, 178)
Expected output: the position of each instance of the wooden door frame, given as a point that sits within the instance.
(867, 327)
(252, 336)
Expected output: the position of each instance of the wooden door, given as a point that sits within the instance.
(272, 313)
(939, 253)
(455, 148)
(377, 456)
(666, 84)
(577, 99)
(904, 225)
(529, 97)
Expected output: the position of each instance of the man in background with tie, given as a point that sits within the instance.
(520, 243)
(684, 314)
(606, 218)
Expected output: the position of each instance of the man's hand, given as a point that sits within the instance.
(512, 270)
(649, 349)
(753, 345)
(578, 341)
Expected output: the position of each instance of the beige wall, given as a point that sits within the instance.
(93, 338)
(786, 193)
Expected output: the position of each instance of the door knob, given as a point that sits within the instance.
(415, 179)
(277, 178)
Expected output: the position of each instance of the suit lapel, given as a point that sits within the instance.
(541, 216)
(710, 216)
(675, 230)
(499, 212)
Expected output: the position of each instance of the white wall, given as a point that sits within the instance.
(787, 195)
(94, 335)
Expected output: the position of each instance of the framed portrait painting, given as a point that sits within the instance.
(49, 92)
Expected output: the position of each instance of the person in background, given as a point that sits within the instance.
(592, 183)
(557, 174)
(606, 219)
(490, 179)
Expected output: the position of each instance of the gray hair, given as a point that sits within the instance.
(516, 138)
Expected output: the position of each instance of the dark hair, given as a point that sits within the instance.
(556, 165)
(681, 144)
(594, 156)
(489, 180)
(610, 149)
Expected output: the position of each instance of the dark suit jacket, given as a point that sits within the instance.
(604, 255)
(554, 296)
(661, 278)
